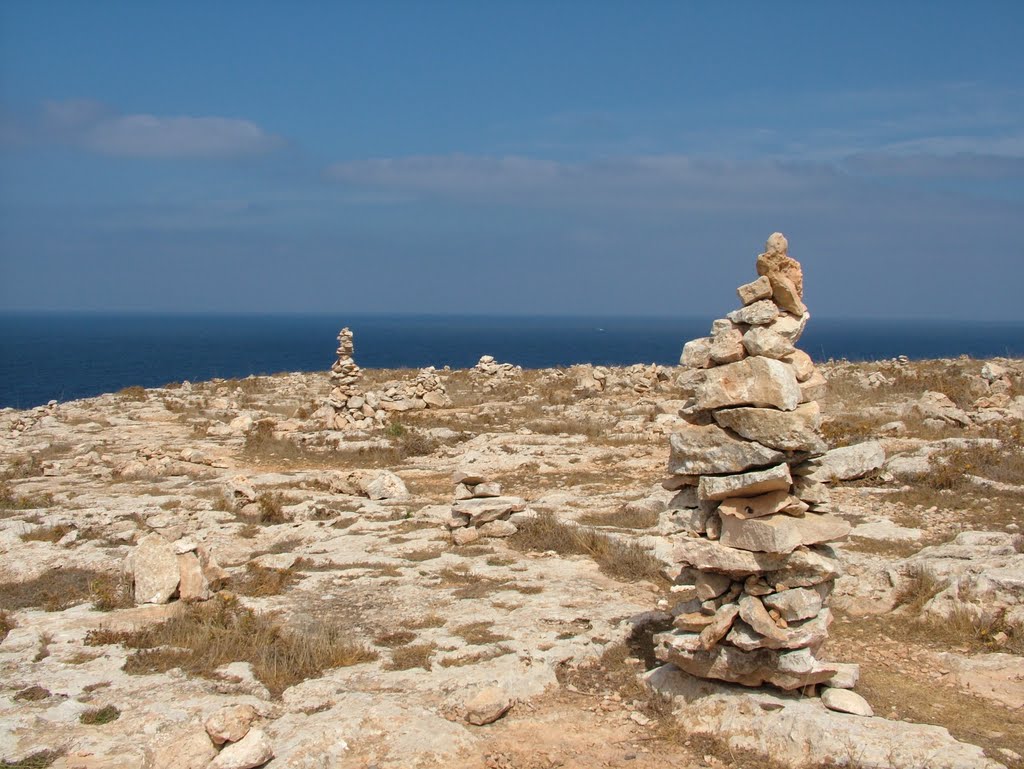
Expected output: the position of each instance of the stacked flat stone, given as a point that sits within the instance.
(754, 572)
(480, 510)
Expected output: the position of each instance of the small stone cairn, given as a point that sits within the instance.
(491, 373)
(754, 572)
(480, 510)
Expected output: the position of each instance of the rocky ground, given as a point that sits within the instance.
(319, 611)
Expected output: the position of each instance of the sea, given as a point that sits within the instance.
(66, 356)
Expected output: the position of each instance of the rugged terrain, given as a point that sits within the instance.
(362, 636)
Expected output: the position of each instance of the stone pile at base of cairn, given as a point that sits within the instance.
(754, 572)
(480, 510)
(490, 372)
(349, 407)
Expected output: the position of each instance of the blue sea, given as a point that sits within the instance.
(69, 356)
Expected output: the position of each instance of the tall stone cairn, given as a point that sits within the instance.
(754, 572)
(346, 403)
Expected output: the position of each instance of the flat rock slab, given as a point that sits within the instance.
(754, 381)
(781, 533)
(795, 430)
(847, 463)
(796, 732)
(696, 450)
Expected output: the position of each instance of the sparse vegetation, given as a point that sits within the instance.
(32, 694)
(623, 560)
(39, 760)
(100, 716)
(479, 633)
(53, 533)
(412, 656)
(261, 581)
(395, 638)
(58, 589)
(271, 508)
(201, 637)
(133, 393)
(6, 624)
(621, 519)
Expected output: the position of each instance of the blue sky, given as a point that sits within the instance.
(466, 157)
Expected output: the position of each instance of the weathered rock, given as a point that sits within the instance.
(498, 529)
(785, 669)
(193, 585)
(156, 573)
(752, 381)
(755, 291)
(847, 463)
(801, 568)
(756, 314)
(813, 388)
(487, 706)
(797, 731)
(749, 484)
(727, 347)
(756, 507)
(710, 449)
(710, 585)
(253, 750)
(795, 604)
(230, 723)
(802, 364)
(936, 405)
(767, 343)
(192, 750)
(487, 509)
(775, 263)
(790, 326)
(385, 485)
(719, 626)
(796, 430)
(466, 535)
(845, 701)
(781, 533)
(801, 635)
(696, 353)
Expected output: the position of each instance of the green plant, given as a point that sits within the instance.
(100, 716)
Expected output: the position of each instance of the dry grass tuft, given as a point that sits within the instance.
(47, 533)
(271, 505)
(9, 501)
(479, 633)
(621, 519)
(58, 589)
(426, 621)
(261, 581)
(920, 587)
(6, 624)
(32, 694)
(39, 760)
(622, 560)
(395, 639)
(201, 637)
(100, 716)
(133, 393)
(413, 656)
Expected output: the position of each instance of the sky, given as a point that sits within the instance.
(588, 157)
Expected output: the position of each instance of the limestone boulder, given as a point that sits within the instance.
(749, 484)
(253, 750)
(757, 314)
(790, 326)
(156, 571)
(230, 723)
(810, 634)
(755, 381)
(845, 701)
(767, 343)
(699, 449)
(801, 568)
(755, 291)
(193, 585)
(727, 347)
(697, 353)
(384, 485)
(796, 430)
(775, 264)
(796, 604)
(785, 669)
(487, 705)
(486, 509)
(781, 533)
(761, 505)
(846, 463)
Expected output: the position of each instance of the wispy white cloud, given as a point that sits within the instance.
(627, 181)
(97, 127)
